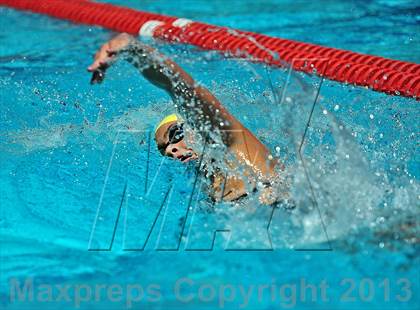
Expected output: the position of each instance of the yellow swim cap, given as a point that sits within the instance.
(167, 119)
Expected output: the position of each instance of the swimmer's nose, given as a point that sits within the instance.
(175, 151)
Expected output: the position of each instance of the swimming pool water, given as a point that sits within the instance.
(59, 134)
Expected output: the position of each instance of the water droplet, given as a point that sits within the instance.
(380, 219)
(371, 116)
(336, 107)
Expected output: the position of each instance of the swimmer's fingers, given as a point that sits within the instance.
(107, 55)
(103, 60)
(98, 69)
(97, 77)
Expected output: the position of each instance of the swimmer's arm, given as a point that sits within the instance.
(197, 102)
(202, 108)
(199, 106)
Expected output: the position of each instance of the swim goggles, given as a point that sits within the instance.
(175, 134)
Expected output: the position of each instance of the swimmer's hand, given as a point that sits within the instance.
(107, 55)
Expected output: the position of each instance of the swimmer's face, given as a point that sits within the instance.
(170, 141)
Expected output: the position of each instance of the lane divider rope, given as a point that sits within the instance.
(377, 73)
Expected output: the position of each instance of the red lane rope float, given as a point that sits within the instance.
(378, 73)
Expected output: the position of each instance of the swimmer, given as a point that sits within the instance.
(253, 169)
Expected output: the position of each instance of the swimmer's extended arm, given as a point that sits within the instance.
(199, 106)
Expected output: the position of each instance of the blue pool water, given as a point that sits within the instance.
(74, 157)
